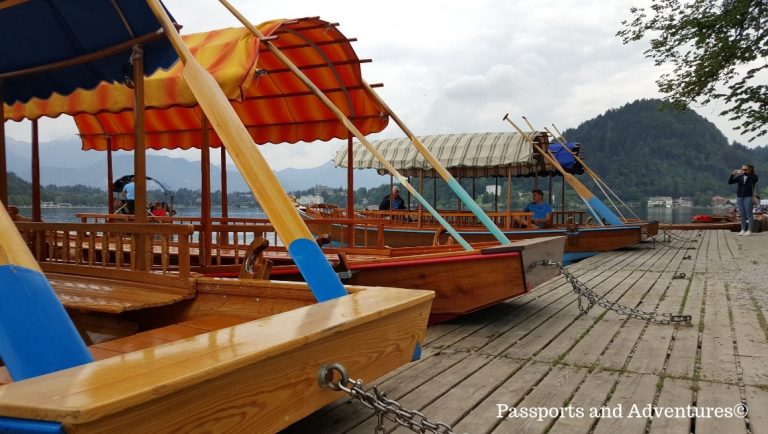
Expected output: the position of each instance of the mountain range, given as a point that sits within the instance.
(63, 163)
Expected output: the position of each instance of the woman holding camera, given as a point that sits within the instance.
(746, 180)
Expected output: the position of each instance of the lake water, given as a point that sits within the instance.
(664, 215)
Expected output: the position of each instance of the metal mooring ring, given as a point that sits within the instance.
(326, 374)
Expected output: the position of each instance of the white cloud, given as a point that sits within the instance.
(451, 66)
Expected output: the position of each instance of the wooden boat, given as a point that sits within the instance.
(402, 229)
(490, 155)
(210, 354)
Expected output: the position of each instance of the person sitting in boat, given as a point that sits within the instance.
(393, 200)
(129, 194)
(542, 212)
(159, 210)
(13, 212)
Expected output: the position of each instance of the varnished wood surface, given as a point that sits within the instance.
(538, 351)
(111, 295)
(254, 377)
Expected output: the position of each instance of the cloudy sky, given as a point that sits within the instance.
(459, 66)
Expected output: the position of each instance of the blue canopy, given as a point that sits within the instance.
(40, 32)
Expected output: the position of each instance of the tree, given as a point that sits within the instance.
(718, 49)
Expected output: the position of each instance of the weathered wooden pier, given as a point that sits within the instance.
(537, 351)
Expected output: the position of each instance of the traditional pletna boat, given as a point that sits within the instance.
(210, 354)
(470, 155)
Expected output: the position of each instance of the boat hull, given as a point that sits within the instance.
(578, 240)
(463, 282)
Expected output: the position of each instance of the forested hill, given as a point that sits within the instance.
(642, 150)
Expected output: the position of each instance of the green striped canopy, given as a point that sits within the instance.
(466, 155)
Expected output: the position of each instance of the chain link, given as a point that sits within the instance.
(587, 299)
(383, 407)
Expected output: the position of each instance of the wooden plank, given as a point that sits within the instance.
(757, 402)
(682, 356)
(750, 339)
(530, 344)
(717, 354)
(351, 414)
(653, 346)
(601, 336)
(593, 393)
(676, 394)
(552, 392)
(433, 389)
(713, 396)
(634, 391)
(482, 418)
(451, 407)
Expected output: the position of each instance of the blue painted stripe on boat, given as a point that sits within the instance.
(479, 213)
(28, 426)
(570, 258)
(316, 270)
(416, 352)
(606, 213)
(36, 335)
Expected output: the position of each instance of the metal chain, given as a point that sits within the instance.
(669, 236)
(587, 299)
(383, 407)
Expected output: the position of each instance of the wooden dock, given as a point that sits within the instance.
(537, 351)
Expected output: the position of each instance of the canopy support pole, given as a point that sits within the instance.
(224, 192)
(205, 200)
(350, 193)
(110, 178)
(550, 189)
(496, 193)
(139, 156)
(345, 121)
(562, 194)
(508, 220)
(421, 191)
(36, 212)
(3, 168)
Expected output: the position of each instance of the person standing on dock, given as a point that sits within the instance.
(130, 195)
(542, 212)
(746, 188)
(392, 200)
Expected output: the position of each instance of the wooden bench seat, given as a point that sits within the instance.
(114, 296)
(151, 338)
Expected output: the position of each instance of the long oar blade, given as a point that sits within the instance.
(311, 261)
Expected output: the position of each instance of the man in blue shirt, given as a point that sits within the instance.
(542, 212)
(130, 195)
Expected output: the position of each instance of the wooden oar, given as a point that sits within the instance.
(346, 122)
(311, 261)
(592, 173)
(38, 336)
(442, 171)
(599, 208)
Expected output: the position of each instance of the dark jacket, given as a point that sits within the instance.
(744, 189)
(397, 203)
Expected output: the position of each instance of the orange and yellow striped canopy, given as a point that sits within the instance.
(272, 103)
